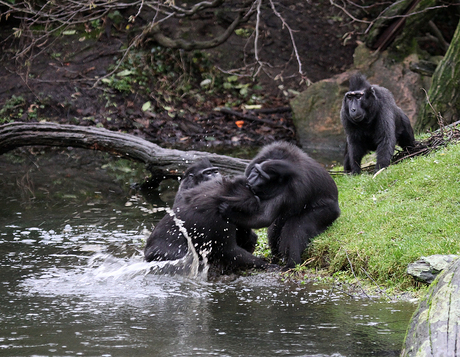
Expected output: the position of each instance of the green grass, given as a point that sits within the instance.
(407, 211)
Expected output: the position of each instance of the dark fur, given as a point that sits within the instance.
(209, 230)
(166, 241)
(372, 122)
(195, 174)
(288, 192)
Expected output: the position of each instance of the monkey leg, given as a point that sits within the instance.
(298, 231)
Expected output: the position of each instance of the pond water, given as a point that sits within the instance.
(73, 281)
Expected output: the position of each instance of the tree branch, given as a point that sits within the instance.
(197, 7)
(161, 162)
(194, 45)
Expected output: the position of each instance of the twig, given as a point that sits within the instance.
(437, 140)
(291, 35)
(256, 37)
(438, 35)
(378, 287)
(349, 14)
(378, 172)
(437, 114)
(339, 288)
(272, 110)
(353, 272)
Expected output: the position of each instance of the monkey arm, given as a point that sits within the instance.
(386, 144)
(241, 206)
(239, 257)
(354, 153)
(238, 201)
(251, 213)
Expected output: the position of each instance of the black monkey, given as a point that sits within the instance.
(288, 192)
(212, 234)
(372, 121)
(166, 242)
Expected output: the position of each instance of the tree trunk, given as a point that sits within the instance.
(406, 43)
(396, 27)
(163, 163)
(444, 94)
(385, 28)
(434, 329)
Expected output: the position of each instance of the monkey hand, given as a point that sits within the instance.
(235, 209)
(222, 208)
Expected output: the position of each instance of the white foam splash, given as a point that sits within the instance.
(192, 256)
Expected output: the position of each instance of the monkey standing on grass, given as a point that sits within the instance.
(372, 121)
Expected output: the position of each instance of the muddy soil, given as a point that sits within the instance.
(58, 82)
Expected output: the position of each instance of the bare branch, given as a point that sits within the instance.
(285, 24)
(197, 7)
(385, 14)
(42, 25)
(161, 161)
(194, 45)
(349, 14)
(439, 36)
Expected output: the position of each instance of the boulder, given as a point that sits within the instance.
(316, 114)
(434, 329)
(427, 268)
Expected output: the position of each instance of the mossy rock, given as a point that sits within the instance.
(434, 329)
(317, 114)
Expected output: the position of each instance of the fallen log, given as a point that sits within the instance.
(434, 329)
(162, 163)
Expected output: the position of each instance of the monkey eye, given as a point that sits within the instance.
(211, 171)
(354, 95)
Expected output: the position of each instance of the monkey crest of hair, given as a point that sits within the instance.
(372, 122)
(358, 82)
(200, 171)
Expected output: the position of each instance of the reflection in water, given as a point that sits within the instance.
(74, 283)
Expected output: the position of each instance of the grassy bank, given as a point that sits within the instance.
(407, 211)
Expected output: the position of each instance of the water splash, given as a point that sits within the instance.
(108, 278)
(90, 260)
(198, 268)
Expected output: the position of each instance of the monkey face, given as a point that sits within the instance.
(269, 178)
(199, 172)
(258, 177)
(354, 102)
(210, 173)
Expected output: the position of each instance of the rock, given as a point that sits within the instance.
(316, 111)
(317, 114)
(435, 325)
(427, 268)
(426, 68)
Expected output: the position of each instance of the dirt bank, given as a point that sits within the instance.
(59, 82)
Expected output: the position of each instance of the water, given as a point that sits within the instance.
(73, 281)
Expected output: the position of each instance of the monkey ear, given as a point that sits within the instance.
(370, 92)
